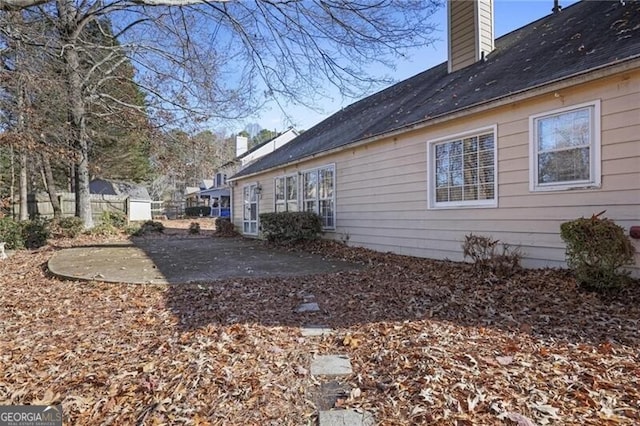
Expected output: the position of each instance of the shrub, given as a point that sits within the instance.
(116, 219)
(197, 211)
(291, 226)
(68, 227)
(36, 232)
(111, 223)
(30, 234)
(224, 227)
(149, 227)
(194, 228)
(596, 250)
(489, 255)
(103, 229)
(132, 229)
(11, 233)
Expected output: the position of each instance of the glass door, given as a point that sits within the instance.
(250, 213)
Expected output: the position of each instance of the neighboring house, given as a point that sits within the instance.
(216, 193)
(137, 196)
(192, 196)
(506, 141)
(217, 196)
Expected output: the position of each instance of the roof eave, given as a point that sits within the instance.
(595, 73)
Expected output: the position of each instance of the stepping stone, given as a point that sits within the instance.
(315, 330)
(327, 394)
(345, 418)
(331, 365)
(307, 298)
(308, 307)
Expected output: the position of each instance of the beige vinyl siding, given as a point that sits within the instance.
(462, 35)
(470, 32)
(485, 19)
(381, 187)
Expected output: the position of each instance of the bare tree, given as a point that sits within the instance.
(15, 63)
(29, 90)
(198, 60)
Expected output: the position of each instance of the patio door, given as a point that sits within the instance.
(250, 211)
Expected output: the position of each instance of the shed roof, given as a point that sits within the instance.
(583, 37)
(114, 187)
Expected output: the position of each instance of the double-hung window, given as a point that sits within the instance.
(318, 188)
(286, 193)
(565, 148)
(463, 170)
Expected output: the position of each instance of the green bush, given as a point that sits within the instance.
(488, 255)
(132, 229)
(116, 219)
(291, 226)
(194, 228)
(103, 229)
(68, 227)
(149, 227)
(197, 211)
(11, 233)
(36, 232)
(597, 249)
(111, 223)
(30, 234)
(225, 228)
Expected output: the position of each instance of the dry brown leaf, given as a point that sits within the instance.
(351, 341)
(517, 418)
(504, 360)
(546, 409)
(426, 336)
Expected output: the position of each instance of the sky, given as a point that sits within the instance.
(509, 15)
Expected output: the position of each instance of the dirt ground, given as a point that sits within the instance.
(206, 223)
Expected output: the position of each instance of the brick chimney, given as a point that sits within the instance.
(470, 31)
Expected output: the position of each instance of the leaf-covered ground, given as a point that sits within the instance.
(430, 343)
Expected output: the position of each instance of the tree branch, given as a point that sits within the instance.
(12, 5)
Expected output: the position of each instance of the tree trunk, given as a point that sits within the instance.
(13, 182)
(68, 34)
(22, 155)
(23, 183)
(51, 186)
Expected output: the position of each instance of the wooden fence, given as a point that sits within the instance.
(40, 205)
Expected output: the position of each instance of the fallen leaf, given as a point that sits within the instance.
(504, 360)
(517, 418)
(547, 409)
(355, 393)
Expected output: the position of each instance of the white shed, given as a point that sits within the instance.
(138, 199)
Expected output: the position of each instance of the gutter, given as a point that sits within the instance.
(602, 71)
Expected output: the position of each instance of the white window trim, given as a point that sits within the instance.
(431, 164)
(594, 151)
(275, 200)
(301, 188)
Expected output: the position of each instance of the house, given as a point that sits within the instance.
(247, 156)
(138, 201)
(506, 139)
(192, 193)
(217, 196)
(216, 193)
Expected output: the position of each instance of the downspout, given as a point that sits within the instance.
(231, 218)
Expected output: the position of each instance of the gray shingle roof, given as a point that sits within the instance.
(114, 187)
(584, 36)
